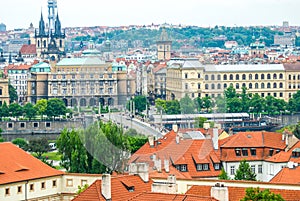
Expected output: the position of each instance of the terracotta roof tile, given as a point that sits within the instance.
(149, 196)
(287, 175)
(17, 165)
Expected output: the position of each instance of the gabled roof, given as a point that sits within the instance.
(17, 165)
(28, 49)
(256, 139)
(288, 176)
(119, 189)
(175, 197)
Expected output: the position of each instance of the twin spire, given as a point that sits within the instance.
(57, 28)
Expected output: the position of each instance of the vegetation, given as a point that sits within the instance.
(102, 147)
(13, 95)
(254, 194)
(140, 103)
(81, 189)
(223, 175)
(296, 130)
(21, 143)
(244, 172)
(39, 146)
(1, 138)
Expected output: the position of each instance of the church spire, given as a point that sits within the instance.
(57, 31)
(42, 26)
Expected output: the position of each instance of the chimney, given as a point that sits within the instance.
(215, 138)
(206, 125)
(106, 187)
(166, 165)
(177, 139)
(175, 128)
(219, 192)
(141, 169)
(157, 164)
(172, 179)
(151, 140)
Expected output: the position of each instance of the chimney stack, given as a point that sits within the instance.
(215, 138)
(141, 169)
(175, 128)
(219, 192)
(106, 187)
(151, 140)
(166, 165)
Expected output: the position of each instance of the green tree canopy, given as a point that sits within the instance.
(21, 143)
(41, 106)
(13, 95)
(223, 175)
(296, 130)
(254, 194)
(15, 110)
(244, 172)
(187, 105)
(39, 146)
(29, 111)
(55, 107)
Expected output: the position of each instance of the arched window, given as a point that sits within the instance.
(237, 86)
(290, 77)
(219, 86)
(38, 43)
(230, 77)
(243, 85)
(45, 43)
(262, 85)
(250, 76)
(280, 76)
(243, 76)
(224, 77)
(256, 76)
(280, 85)
(268, 85)
(206, 86)
(206, 77)
(219, 77)
(274, 76)
(212, 86)
(237, 77)
(250, 85)
(275, 85)
(225, 86)
(268, 76)
(212, 77)
(262, 76)
(60, 43)
(256, 85)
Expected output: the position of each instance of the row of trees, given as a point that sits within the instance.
(102, 147)
(231, 102)
(52, 108)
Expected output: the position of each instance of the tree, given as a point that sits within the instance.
(39, 146)
(244, 172)
(199, 122)
(234, 104)
(1, 138)
(4, 110)
(198, 102)
(55, 107)
(173, 107)
(15, 110)
(136, 142)
(41, 106)
(256, 104)
(13, 95)
(221, 104)
(187, 105)
(223, 175)
(296, 130)
(81, 189)
(140, 103)
(21, 143)
(230, 92)
(254, 194)
(160, 104)
(29, 111)
(207, 103)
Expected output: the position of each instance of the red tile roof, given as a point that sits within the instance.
(287, 175)
(28, 49)
(175, 197)
(237, 193)
(119, 189)
(17, 165)
(18, 67)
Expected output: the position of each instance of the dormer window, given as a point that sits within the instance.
(202, 167)
(245, 152)
(183, 168)
(238, 152)
(271, 151)
(217, 166)
(253, 151)
(296, 153)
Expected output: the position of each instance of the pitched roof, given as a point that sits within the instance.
(287, 175)
(175, 197)
(18, 67)
(28, 49)
(119, 189)
(17, 165)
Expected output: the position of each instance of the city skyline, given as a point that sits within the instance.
(20, 13)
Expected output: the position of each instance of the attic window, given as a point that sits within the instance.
(245, 152)
(296, 153)
(130, 189)
(253, 151)
(238, 152)
(271, 151)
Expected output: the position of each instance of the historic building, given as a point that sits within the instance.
(82, 82)
(4, 95)
(189, 76)
(164, 46)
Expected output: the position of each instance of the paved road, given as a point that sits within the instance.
(139, 126)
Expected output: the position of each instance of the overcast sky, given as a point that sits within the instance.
(20, 13)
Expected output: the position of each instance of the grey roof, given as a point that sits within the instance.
(196, 135)
(244, 68)
(90, 61)
(185, 63)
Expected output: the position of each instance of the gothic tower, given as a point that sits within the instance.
(164, 46)
(41, 38)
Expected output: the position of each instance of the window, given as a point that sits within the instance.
(253, 168)
(225, 86)
(243, 76)
(219, 86)
(230, 77)
(245, 152)
(280, 85)
(237, 86)
(219, 77)
(212, 77)
(217, 166)
(274, 85)
(206, 86)
(186, 76)
(53, 77)
(199, 75)
(256, 76)
(199, 86)
(69, 183)
(274, 76)
(250, 76)
(0, 91)
(10, 125)
(48, 124)
(271, 169)
(43, 185)
(232, 170)
(31, 187)
(280, 76)
(262, 85)
(54, 183)
(224, 77)
(35, 124)
(199, 167)
(250, 85)
(256, 85)
(206, 77)
(22, 125)
(253, 151)
(183, 168)
(19, 189)
(7, 191)
(237, 77)
(212, 86)
(238, 152)
(205, 166)
(268, 85)
(268, 76)
(271, 151)
(259, 169)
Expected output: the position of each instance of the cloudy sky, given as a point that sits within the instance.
(20, 13)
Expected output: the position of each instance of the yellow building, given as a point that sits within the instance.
(4, 92)
(189, 76)
(164, 46)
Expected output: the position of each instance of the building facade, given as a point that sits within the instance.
(164, 45)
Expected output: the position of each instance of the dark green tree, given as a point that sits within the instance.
(256, 104)
(296, 130)
(136, 142)
(207, 103)
(230, 92)
(160, 105)
(55, 107)
(244, 172)
(41, 106)
(198, 102)
(1, 138)
(4, 110)
(187, 105)
(223, 175)
(234, 104)
(140, 103)
(39, 146)
(270, 105)
(13, 95)
(29, 111)
(173, 107)
(245, 98)
(21, 143)
(221, 104)
(199, 122)
(15, 110)
(254, 194)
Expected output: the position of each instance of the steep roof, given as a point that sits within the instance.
(287, 175)
(175, 197)
(17, 165)
(28, 49)
(119, 189)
